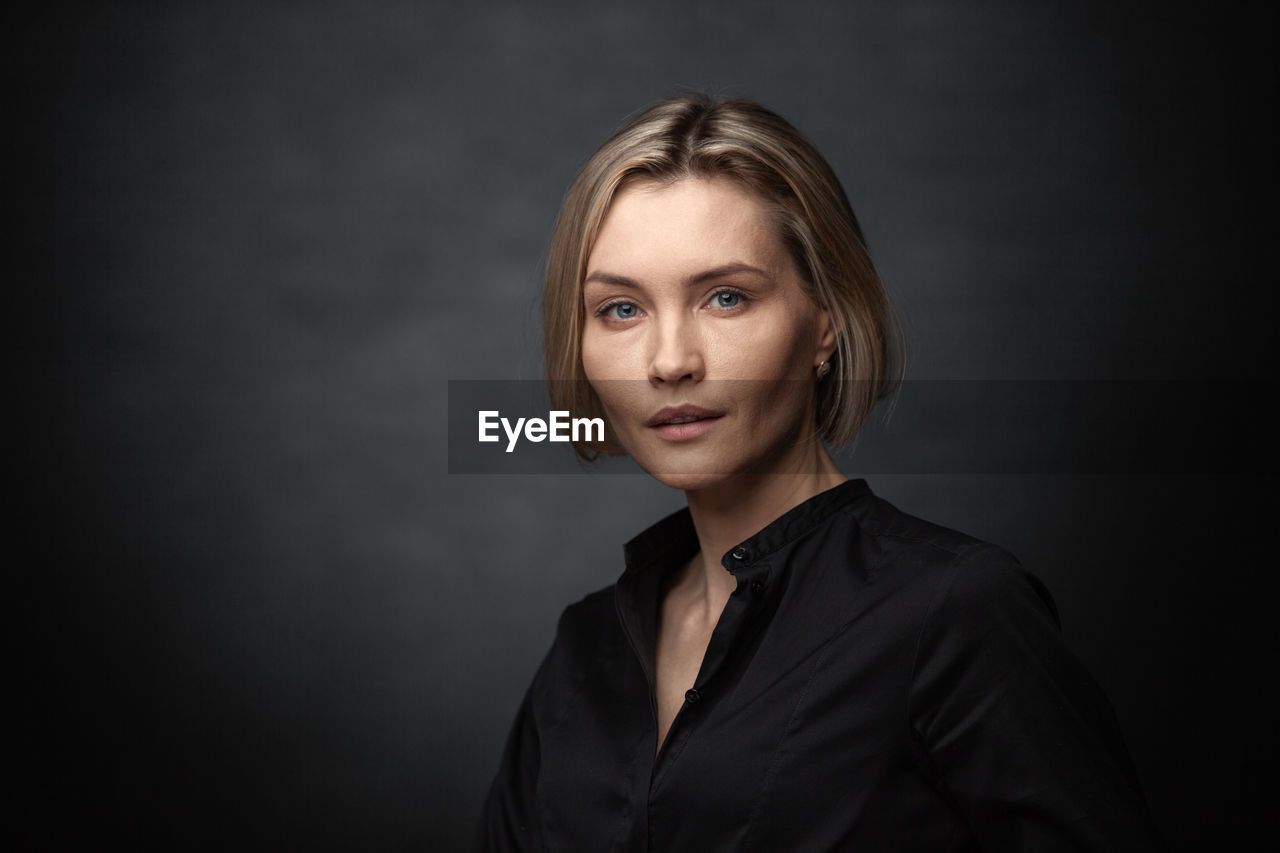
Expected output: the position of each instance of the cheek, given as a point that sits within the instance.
(606, 356)
(765, 351)
(598, 364)
(605, 364)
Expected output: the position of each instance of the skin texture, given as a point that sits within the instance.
(691, 298)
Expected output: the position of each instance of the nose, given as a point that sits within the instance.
(676, 354)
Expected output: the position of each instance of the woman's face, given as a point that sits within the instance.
(699, 340)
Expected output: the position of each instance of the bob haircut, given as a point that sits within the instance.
(694, 136)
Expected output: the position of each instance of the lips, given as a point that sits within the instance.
(681, 415)
(683, 422)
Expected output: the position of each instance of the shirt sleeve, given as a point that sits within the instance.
(509, 818)
(1009, 724)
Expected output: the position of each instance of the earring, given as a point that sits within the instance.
(824, 369)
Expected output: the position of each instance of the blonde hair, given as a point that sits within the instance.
(694, 136)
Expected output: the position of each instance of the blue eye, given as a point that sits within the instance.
(620, 310)
(727, 299)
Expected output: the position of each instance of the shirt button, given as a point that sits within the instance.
(740, 553)
(692, 695)
(757, 586)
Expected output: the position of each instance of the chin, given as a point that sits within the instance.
(686, 471)
(690, 481)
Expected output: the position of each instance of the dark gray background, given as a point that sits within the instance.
(256, 241)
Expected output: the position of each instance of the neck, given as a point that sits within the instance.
(736, 508)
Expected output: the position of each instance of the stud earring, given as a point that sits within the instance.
(824, 369)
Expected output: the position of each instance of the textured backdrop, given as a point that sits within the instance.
(257, 241)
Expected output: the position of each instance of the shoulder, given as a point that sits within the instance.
(584, 619)
(955, 575)
(900, 531)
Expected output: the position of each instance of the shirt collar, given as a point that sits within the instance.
(673, 540)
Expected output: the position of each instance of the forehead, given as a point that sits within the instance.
(691, 223)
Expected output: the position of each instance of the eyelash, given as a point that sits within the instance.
(743, 299)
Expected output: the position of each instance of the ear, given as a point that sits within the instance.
(826, 338)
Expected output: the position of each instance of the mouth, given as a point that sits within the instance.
(683, 422)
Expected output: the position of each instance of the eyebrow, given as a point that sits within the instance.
(706, 275)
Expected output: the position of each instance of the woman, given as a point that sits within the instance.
(790, 663)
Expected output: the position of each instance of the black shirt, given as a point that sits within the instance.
(875, 682)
